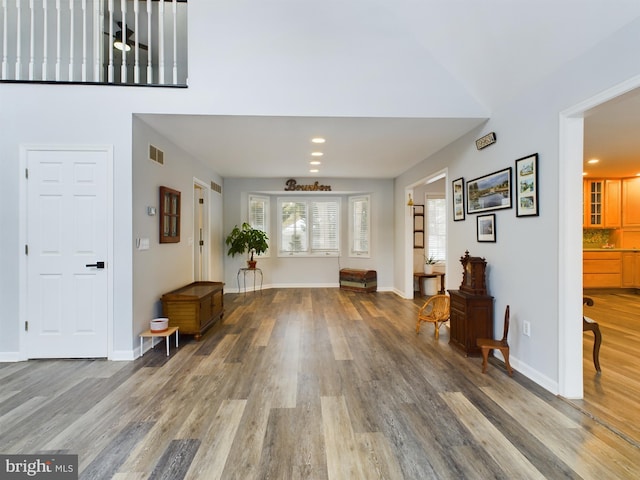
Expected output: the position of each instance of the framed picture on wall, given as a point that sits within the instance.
(487, 228)
(458, 199)
(526, 183)
(490, 192)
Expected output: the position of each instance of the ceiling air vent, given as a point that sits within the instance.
(215, 187)
(156, 155)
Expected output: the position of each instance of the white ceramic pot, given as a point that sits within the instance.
(428, 268)
(159, 324)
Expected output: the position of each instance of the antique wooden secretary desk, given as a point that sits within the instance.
(471, 315)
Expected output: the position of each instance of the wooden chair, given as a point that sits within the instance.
(434, 310)
(488, 344)
(592, 325)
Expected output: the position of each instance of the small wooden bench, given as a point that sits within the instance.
(166, 334)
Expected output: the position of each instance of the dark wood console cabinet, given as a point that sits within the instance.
(471, 317)
(194, 307)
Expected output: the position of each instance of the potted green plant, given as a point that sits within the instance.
(247, 239)
(429, 262)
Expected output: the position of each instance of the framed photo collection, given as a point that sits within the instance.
(458, 199)
(495, 191)
(526, 183)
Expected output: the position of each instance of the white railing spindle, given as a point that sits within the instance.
(18, 40)
(161, 42)
(110, 46)
(5, 49)
(84, 40)
(136, 64)
(45, 38)
(72, 42)
(58, 40)
(123, 30)
(175, 42)
(98, 38)
(32, 40)
(149, 43)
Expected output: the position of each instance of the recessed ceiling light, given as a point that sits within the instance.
(637, 174)
(314, 170)
(315, 162)
(318, 140)
(584, 174)
(593, 160)
(317, 154)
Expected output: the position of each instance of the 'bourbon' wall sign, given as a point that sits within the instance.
(292, 185)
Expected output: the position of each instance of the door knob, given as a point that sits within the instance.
(97, 265)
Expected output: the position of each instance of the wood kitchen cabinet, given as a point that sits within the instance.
(631, 269)
(602, 203)
(602, 269)
(194, 307)
(631, 202)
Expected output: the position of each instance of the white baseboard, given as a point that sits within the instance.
(10, 357)
(123, 355)
(532, 374)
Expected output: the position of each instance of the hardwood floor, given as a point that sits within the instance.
(305, 383)
(613, 397)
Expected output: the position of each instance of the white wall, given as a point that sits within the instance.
(523, 265)
(309, 272)
(165, 267)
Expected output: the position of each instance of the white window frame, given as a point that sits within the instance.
(354, 235)
(251, 220)
(308, 202)
(428, 222)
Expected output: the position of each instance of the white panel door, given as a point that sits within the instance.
(67, 224)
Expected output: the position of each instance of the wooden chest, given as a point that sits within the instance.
(194, 307)
(358, 280)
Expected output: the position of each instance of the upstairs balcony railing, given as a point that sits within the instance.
(125, 42)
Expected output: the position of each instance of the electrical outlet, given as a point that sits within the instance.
(526, 329)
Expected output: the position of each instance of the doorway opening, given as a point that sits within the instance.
(200, 231)
(571, 143)
(432, 187)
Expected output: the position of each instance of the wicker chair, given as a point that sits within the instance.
(434, 310)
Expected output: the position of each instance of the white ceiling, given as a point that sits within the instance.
(612, 135)
(480, 44)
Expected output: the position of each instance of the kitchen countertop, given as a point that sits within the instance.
(611, 249)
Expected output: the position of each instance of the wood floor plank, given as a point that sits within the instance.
(500, 449)
(175, 460)
(109, 459)
(325, 383)
(343, 459)
(210, 460)
(263, 333)
(339, 344)
(378, 459)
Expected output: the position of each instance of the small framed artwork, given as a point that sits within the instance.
(526, 183)
(487, 228)
(491, 192)
(458, 199)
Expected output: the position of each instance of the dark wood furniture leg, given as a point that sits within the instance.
(597, 340)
